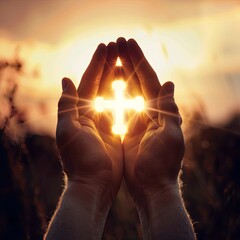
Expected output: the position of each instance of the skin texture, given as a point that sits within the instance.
(91, 156)
(95, 161)
(148, 156)
(153, 151)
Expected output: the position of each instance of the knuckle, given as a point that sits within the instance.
(168, 104)
(67, 100)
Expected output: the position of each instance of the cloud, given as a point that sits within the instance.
(57, 39)
(50, 21)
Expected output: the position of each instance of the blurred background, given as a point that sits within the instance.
(195, 44)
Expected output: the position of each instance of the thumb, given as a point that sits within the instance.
(168, 110)
(67, 105)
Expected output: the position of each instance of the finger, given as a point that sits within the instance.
(89, 84)
(148, 79)
(90, 80)
(67, 105)
(105, 119)
(108, 76)
(67, 112)
(168, 110)
(135, 121)
(133, 85)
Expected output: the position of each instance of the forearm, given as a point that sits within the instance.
(164, 215)
(80, 214)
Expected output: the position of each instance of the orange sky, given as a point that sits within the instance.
(196, 44)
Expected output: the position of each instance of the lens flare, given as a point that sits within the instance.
(118, 63)
(119, 106)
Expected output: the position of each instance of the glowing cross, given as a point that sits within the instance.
(118, 106)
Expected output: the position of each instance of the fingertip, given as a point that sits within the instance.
(65, 83)
(112, 48)
(167, 105)
(68, 86)
(134, 50)
(113, 53)
(167, 89)
(101, 45)
(121, 40)
(122, 49)
(102, 51)
(111, 44)
(131, 41)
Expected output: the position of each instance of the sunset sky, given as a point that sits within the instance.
(195, 44)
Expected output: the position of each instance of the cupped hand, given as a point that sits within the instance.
(91, 156)
(154, 145)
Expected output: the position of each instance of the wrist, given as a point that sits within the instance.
(90, 205)
(158, 201)
(163, 214)
(152, 192)
(81, 212)
(158, 198)
(94, 197)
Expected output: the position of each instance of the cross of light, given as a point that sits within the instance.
(119, 105)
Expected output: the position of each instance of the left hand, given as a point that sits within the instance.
(91, 155)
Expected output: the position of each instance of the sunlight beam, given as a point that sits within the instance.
(118, 106)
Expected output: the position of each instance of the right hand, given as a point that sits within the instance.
(153, 147)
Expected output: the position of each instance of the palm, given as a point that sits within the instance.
(98, 155)
(89, 152)
(114, 153)
(153, 157)
(152, 152)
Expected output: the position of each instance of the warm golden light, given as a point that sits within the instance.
(118, 63)
(118, 106)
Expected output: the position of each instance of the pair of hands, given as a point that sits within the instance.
(150, 156)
